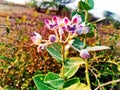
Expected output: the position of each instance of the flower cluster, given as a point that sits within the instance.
(65, 29)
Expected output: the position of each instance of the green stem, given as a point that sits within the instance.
(86, 62)
(84, 41)
(63, 66)
(87, 73)
(86, 13)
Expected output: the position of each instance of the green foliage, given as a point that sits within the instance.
(78, 44)
(83, 6)
(86, 6)
(78, 86)
(71, 66)
(91, 4)
(55, 53)
(71, 82)
(39, 81)
(54, 80)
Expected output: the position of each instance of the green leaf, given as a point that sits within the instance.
(83, 6)
(97, 48)
(91, 4)
(78, 44)
(71, 82)
(91, 31)
(69, 72)
(72, 66)
(90, 34)
(78, 86)
(74, 61)
(55, 54)
(56, 46)
(38, 80)
(54, 80)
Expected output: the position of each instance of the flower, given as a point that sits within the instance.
(69, 26)
(52, 25)
(84, 54)
(36, 38)
(52, 38)
(76, 19)
(84, 29)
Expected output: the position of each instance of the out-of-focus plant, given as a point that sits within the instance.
(70, 33)
(54, 6)
(111, 17)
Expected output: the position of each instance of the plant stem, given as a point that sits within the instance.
(87, 73)
(84, 41)
(86, 62)
(86, 13)
(63, 61)
(107, 83)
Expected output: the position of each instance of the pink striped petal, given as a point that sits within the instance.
(76, 19)
(66, 21)
(54, 19)
(47, 22)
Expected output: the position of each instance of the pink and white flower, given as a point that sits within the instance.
(36, 38)
(76, 19)
(52, 25)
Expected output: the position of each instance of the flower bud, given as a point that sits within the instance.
(84, 53)
(52, 38)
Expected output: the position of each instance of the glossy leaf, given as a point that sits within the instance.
(55, 54)
(72, 66)
(91, 3)
(56, 46)
(74, 61)
(54, 80)
(38, 80)
(71, 82)
(69, 72)
(86, 6)
(78, 44)
(83, 6)
(78, 86)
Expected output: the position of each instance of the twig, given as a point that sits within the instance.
(95, 77)
(107, 83)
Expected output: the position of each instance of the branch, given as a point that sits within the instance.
(95, 77)
(107, 83)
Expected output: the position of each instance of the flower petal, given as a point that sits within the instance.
(76, 19)
(47, 22)
(54, 19)
(36, 38)
(66, 21)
